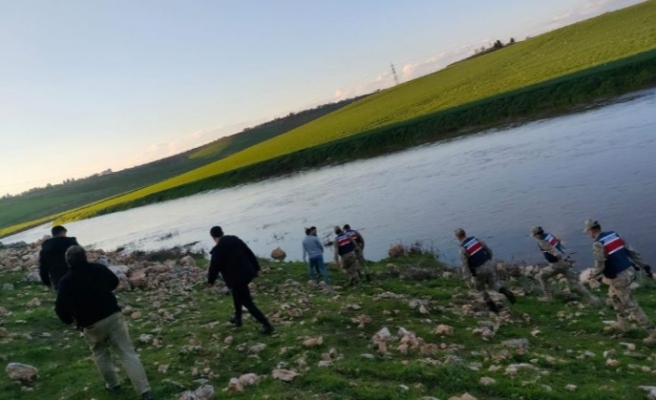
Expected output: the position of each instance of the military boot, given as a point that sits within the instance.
(492, 306)
(651, 339)
(509, 295)
(621, 325)
(236, 321)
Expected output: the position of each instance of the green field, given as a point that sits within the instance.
(566, 342)
(599, 58)
(47, 202)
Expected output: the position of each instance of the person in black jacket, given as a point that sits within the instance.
(52, 263)
(85, 298)
(238, 266)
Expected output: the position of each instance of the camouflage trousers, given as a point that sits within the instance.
(624, 303)
(486, 276)
(350, 266)
(362, 262)
(564, 268)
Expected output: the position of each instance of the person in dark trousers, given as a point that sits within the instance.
(52, 263)
(238, 266)
(85, 298)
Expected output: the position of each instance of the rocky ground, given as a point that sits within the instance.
(415, 332)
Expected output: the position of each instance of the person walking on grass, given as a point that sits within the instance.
(357, 237)
(347, 249)
(559, 263)
(313, 249)
(476, 266)
(86, 298)
(238, 265)
(614, 260)
(52, 260)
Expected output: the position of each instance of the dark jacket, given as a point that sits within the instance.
(85, 295)
(234, 260)
(52, 261)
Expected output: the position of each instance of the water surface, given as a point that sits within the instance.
(555, 173)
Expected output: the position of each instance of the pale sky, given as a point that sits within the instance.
(86, 86)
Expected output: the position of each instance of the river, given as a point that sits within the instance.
(497, 184)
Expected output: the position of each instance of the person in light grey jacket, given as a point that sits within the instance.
(313, 249)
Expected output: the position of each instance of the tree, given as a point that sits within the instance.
(498, 45)
(512, 41)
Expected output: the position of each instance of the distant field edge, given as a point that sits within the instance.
(563, 95)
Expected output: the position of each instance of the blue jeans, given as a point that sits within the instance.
(318, 267)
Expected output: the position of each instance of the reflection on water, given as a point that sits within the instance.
(554, 173)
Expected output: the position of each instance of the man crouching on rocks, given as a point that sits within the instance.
(85, 297)
(238, 266)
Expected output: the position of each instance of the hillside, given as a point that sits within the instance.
(438, 342)
(598, 58)
(52, 200)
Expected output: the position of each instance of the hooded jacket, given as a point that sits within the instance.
(52, 260)
(85, 295)
(234, 260)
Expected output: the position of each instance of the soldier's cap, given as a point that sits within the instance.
(459, 232)
(590, 224)
(536, 230)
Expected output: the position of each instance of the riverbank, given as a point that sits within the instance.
(394, 338)
(548, 75)
(570, 94)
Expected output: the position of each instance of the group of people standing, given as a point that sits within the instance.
(348, 253)
(85, 290)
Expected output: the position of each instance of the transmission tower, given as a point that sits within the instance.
(396, 77)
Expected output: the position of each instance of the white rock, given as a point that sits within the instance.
(205, 392)
(486, 381)
(516, 343)
(651, 391)
(570, 388)
(235, 386)
(284, 375)
(257, 348)
(249, 379)
(21, 372)
(444, 330)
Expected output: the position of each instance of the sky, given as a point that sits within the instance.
(86, 86)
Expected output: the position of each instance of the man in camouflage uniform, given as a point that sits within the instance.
(614, 260)
(355, 235)
(347, 249)
(559, 263)
(476, 262)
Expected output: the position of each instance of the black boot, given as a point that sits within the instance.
(492, 306)
(147, 396)
(267, 329)
(509, 295)
(113, 389)
(236, 321)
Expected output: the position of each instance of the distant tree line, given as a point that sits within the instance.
(65, 182)
(498, 45)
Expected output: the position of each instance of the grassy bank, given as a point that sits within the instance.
(556, 97)
(42, 205)
(566, 346)
(605, 56)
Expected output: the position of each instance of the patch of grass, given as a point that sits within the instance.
(567, 331)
